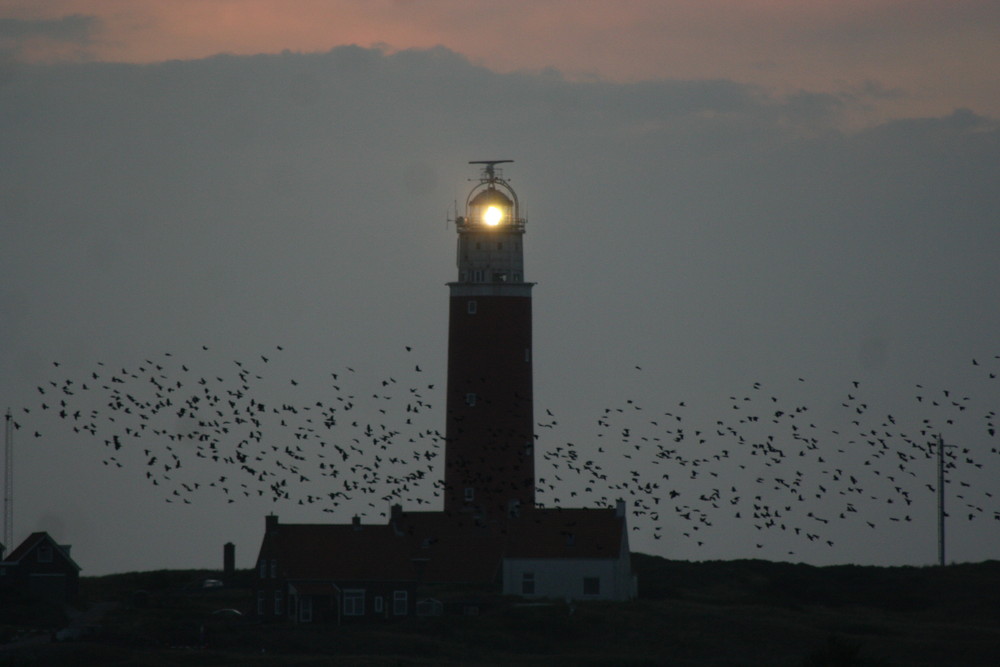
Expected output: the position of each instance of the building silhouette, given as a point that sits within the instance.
(489, 537)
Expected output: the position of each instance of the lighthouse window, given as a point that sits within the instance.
(471, 307)
(470, 399)
(470, 494)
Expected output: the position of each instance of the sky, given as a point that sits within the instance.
(764, 237)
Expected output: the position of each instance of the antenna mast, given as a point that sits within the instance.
(940, 488)
(8, 483)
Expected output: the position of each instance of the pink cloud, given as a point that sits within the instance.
(939, 52)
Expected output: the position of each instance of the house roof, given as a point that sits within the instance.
(338, 551)
(452, 548)
(33, 541)
(566, 533)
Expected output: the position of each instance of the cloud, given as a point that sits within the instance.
(48, 39)
(76, 28)
(704, 229)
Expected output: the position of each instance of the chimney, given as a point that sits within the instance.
(396, 512)
(356, 522)
(270, 523)
(620, 508)
(228, 560)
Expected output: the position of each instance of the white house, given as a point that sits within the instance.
(579, 554)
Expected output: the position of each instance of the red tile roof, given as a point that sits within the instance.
(566, 533)
(338, 551)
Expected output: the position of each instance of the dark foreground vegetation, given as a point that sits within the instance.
(714, 613)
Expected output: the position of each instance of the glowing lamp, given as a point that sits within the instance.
(492, 216)
(490, 208)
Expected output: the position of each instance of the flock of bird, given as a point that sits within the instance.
(769, 465)
(196, 432)
(346, 441)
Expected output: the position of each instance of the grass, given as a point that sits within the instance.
(719, 613)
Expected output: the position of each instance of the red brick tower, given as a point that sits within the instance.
(489, 456)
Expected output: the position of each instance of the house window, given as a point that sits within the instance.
(278, 600)
(45, 553)
(354, 602)
(400, 605)
(591, 585)
(378, 604)
(261, 602)
(470, 399)
(471, 307)
(470, 494)
(263, 568)
(306, 609)
(528, 583)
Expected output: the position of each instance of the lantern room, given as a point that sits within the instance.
(490, 232)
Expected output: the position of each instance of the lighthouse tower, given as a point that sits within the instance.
(489, 455)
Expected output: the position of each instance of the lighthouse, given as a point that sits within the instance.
(489, 449)
(490, 524)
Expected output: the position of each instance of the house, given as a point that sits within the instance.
(354, 572)
(333, 572)
(578, 554)
(41, 568)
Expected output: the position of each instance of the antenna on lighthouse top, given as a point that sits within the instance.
(488, 171)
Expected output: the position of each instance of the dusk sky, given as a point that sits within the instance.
(764, 236)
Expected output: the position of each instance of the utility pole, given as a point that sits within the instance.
(940, 485)
(8, 483)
